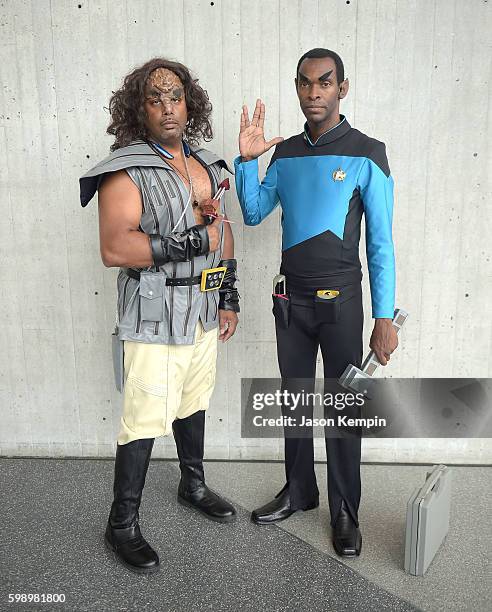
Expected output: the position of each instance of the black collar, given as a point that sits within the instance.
(329, 136)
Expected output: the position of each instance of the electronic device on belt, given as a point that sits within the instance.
(212, 278)
(279, 286)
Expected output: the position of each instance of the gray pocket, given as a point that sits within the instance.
(151, 293)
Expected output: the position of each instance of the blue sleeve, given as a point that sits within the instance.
(256, 200)
(376, 189)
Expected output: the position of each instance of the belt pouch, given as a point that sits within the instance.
(151, 292)
(281, 311)
(327, 311)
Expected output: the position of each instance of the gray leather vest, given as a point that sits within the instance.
(172, 312)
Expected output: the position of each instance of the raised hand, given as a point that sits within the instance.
(252, 141)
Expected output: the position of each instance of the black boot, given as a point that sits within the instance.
(278, 509)
(192, 490)
(347, 539)
(123, 535)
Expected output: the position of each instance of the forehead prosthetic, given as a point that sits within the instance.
(163, 84)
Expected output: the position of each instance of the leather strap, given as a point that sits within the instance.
(173, 282)
(184, 282)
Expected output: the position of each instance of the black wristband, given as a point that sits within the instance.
(229, 300)
(228, 294)
(179, 246)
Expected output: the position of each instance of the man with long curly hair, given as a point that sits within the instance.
(159, 224)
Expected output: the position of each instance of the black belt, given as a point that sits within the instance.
(306, 284)
(173, 282)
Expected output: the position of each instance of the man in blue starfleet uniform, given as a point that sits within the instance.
(324, 179)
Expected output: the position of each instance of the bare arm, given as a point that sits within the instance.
(228, 319)
(228, 250)
(120, 210)
(123, 244)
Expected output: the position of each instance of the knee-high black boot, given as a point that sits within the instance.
(123, 535)
(192, 490)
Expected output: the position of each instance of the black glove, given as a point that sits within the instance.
(228, 294)
(179, 246)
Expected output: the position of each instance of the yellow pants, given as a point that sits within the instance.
(164, 382)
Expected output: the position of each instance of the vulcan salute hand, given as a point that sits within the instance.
(252, 141)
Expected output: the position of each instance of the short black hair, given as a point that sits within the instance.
(319, 52)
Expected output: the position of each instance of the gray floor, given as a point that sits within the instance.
(55, 511)
(460, 576)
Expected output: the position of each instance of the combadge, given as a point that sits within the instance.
(339, 175)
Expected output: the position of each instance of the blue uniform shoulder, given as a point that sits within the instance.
(287, 148)
(373, 149)
(352, 143)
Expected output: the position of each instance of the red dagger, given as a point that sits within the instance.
(223, 187)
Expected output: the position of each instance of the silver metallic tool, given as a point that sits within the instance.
(279, 285)
(360, 380)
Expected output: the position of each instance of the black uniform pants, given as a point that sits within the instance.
(297, 348)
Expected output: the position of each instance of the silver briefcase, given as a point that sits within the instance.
(427, 520)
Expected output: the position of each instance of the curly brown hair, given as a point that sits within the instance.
(126, 106)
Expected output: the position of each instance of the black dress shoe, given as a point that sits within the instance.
(347, 539)
(206, 501)
(131, 549)
(278, 509)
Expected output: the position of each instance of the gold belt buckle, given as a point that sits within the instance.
(327, 294)
(212, 278)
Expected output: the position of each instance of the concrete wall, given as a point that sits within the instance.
(419, 73)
